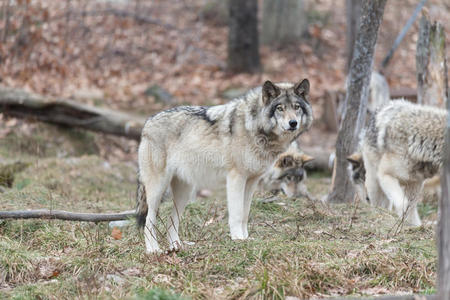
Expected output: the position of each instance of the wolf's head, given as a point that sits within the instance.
(287, 108)
(290, 170)
(356, 168)
(357, 173)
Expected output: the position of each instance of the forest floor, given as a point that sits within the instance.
(297, 247)
(83, 51)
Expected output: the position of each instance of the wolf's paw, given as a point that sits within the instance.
(175, 246)
(153, 251)
(238, 237)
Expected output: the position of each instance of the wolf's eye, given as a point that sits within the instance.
(296, 106)
(289, 178)
(280, 108)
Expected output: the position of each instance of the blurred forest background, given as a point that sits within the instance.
(142, 56)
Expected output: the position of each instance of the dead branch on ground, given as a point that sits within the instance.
(66, 215)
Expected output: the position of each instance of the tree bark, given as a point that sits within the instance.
(443, 281)
(284, 21)
(353, 12)
(356, 97)
(243, 43)
(22, 104)
(64, 215)
(432, 84)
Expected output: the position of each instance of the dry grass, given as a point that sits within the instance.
(298, 248)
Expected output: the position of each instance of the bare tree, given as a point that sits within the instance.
(243, 43)
(284, 21)
(356, 97)
(432, 84)
(443, 283)
(353, 12)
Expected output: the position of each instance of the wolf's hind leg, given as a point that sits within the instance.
(155, 187)
(235, 199)
(182, 194)
(249, 190)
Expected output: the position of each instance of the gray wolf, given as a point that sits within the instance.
(288, 174)
(232, 145)
(402, 146)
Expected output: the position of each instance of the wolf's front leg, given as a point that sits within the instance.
(414, 192)
(236, 203)
(389, 176)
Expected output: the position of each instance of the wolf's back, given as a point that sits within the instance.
(406, 128)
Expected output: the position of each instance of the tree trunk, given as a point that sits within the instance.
(431, 66)
(443, 282)
(22, 104)
(284, 21)
(243, 43)
(356, 97)
(353, 12)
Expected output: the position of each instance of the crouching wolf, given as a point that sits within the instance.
(288, 174)
(402, 146)
(192, 147)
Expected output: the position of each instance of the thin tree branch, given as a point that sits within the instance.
(65, 215)
(120, 14)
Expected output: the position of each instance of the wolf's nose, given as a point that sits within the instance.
(300, 173)
(293, 123)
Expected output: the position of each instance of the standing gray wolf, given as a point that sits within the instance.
(402, 146)
(192, 147)
(288, 174)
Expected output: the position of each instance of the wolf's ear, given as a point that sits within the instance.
(355, 159)
(269, 92)
(286, 161)
(302, 88)
(306, 158)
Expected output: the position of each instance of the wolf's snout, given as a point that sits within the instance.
(293, 124)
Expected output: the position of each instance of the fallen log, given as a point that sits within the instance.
(404, 92)
(65, 215)
(22, 104)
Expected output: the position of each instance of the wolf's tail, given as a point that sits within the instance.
(141, 205)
